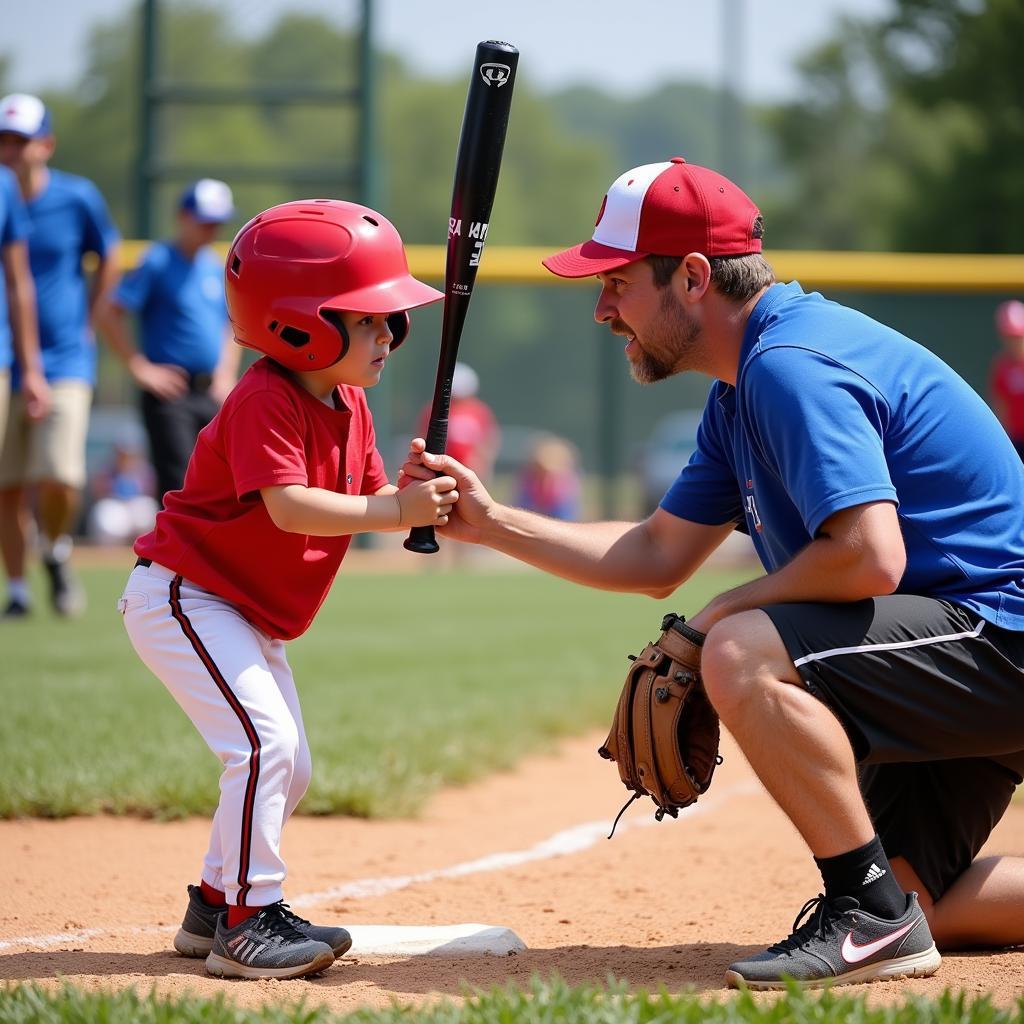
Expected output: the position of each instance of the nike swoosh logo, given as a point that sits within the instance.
(853, 954)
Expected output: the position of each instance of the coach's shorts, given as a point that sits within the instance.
(52, 449)
(932, 699)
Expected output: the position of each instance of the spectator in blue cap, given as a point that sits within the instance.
(187, 360)
(46, 452)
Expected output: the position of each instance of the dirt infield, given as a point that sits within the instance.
(618, 908)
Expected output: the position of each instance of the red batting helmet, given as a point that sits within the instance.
(291, 270)
(1010, 319)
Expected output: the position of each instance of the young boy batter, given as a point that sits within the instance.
(242, 557)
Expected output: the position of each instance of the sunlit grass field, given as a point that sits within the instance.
(544, 1002)
(408, 683)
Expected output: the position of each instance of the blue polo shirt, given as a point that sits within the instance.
(14, 227)
(69, 219)
(832, 409)
(180, 304)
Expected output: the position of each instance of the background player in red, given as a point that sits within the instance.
(473, 434)
(242, 557)
(1007, 380)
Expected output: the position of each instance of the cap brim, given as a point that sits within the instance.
(590, 258)
(389, 297)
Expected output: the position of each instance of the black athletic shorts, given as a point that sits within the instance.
(932, 699)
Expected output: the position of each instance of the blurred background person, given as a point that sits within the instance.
(473, 432)
(123, 505)
(549, 482)
(19, 330)
(1006, 385)
(187, 360)
(46, 455)
(473, 436)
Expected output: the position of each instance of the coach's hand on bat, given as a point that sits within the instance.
(427, 501)
(470, 513)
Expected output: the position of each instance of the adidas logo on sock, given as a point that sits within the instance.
(873, 875)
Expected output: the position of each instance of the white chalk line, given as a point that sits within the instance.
(560, 844)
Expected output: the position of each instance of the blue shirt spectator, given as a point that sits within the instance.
(69, 219)
(14, 227)
(180, 304)
(44, 442)
(186, 361)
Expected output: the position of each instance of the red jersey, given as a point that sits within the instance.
(1007, 384)
(217, 532)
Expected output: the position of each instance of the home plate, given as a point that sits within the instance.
(434, 940)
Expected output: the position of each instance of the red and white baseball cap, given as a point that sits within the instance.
(1010, 319)
(668, 209)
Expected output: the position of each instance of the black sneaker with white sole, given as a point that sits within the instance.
(839, 944)
(198, 926)
(266, 945)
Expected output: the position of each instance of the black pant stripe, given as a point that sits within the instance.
(245, 846)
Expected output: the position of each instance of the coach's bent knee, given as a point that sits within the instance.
(741, 653)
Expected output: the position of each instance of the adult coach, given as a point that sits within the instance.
(883, 499)
(68, 219)
(188, 361)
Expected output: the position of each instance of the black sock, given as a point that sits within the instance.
(866, 875)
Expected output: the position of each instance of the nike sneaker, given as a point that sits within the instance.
(834, 942)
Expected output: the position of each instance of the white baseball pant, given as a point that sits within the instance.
(234, 683)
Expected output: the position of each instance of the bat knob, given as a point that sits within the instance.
(421, 541)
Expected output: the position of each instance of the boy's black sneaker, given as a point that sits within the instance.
(839, 944)
(266, 945)
(199, 925)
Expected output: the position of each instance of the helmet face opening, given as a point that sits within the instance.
(293, 269)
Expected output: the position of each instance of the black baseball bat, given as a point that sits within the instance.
(477, 163)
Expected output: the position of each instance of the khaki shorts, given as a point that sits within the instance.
(53, 449)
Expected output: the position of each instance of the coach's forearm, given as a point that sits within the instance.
(321, 513)
(825, 571)
(608, 555)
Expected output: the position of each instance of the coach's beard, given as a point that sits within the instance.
(671, 345)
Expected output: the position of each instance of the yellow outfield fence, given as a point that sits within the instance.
(855, 271)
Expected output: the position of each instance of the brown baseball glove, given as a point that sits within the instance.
(664, 735)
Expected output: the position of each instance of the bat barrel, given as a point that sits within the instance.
(477, 163)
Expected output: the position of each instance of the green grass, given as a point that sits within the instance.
(407, 683)
(545, 1002)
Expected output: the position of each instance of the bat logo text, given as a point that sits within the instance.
(477, 228)
(495, 74)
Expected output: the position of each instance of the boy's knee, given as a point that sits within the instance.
(302, 773)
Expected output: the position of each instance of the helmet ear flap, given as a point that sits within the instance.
(398, 324)
(335, 319)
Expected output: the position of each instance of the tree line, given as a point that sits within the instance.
(907, 132)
